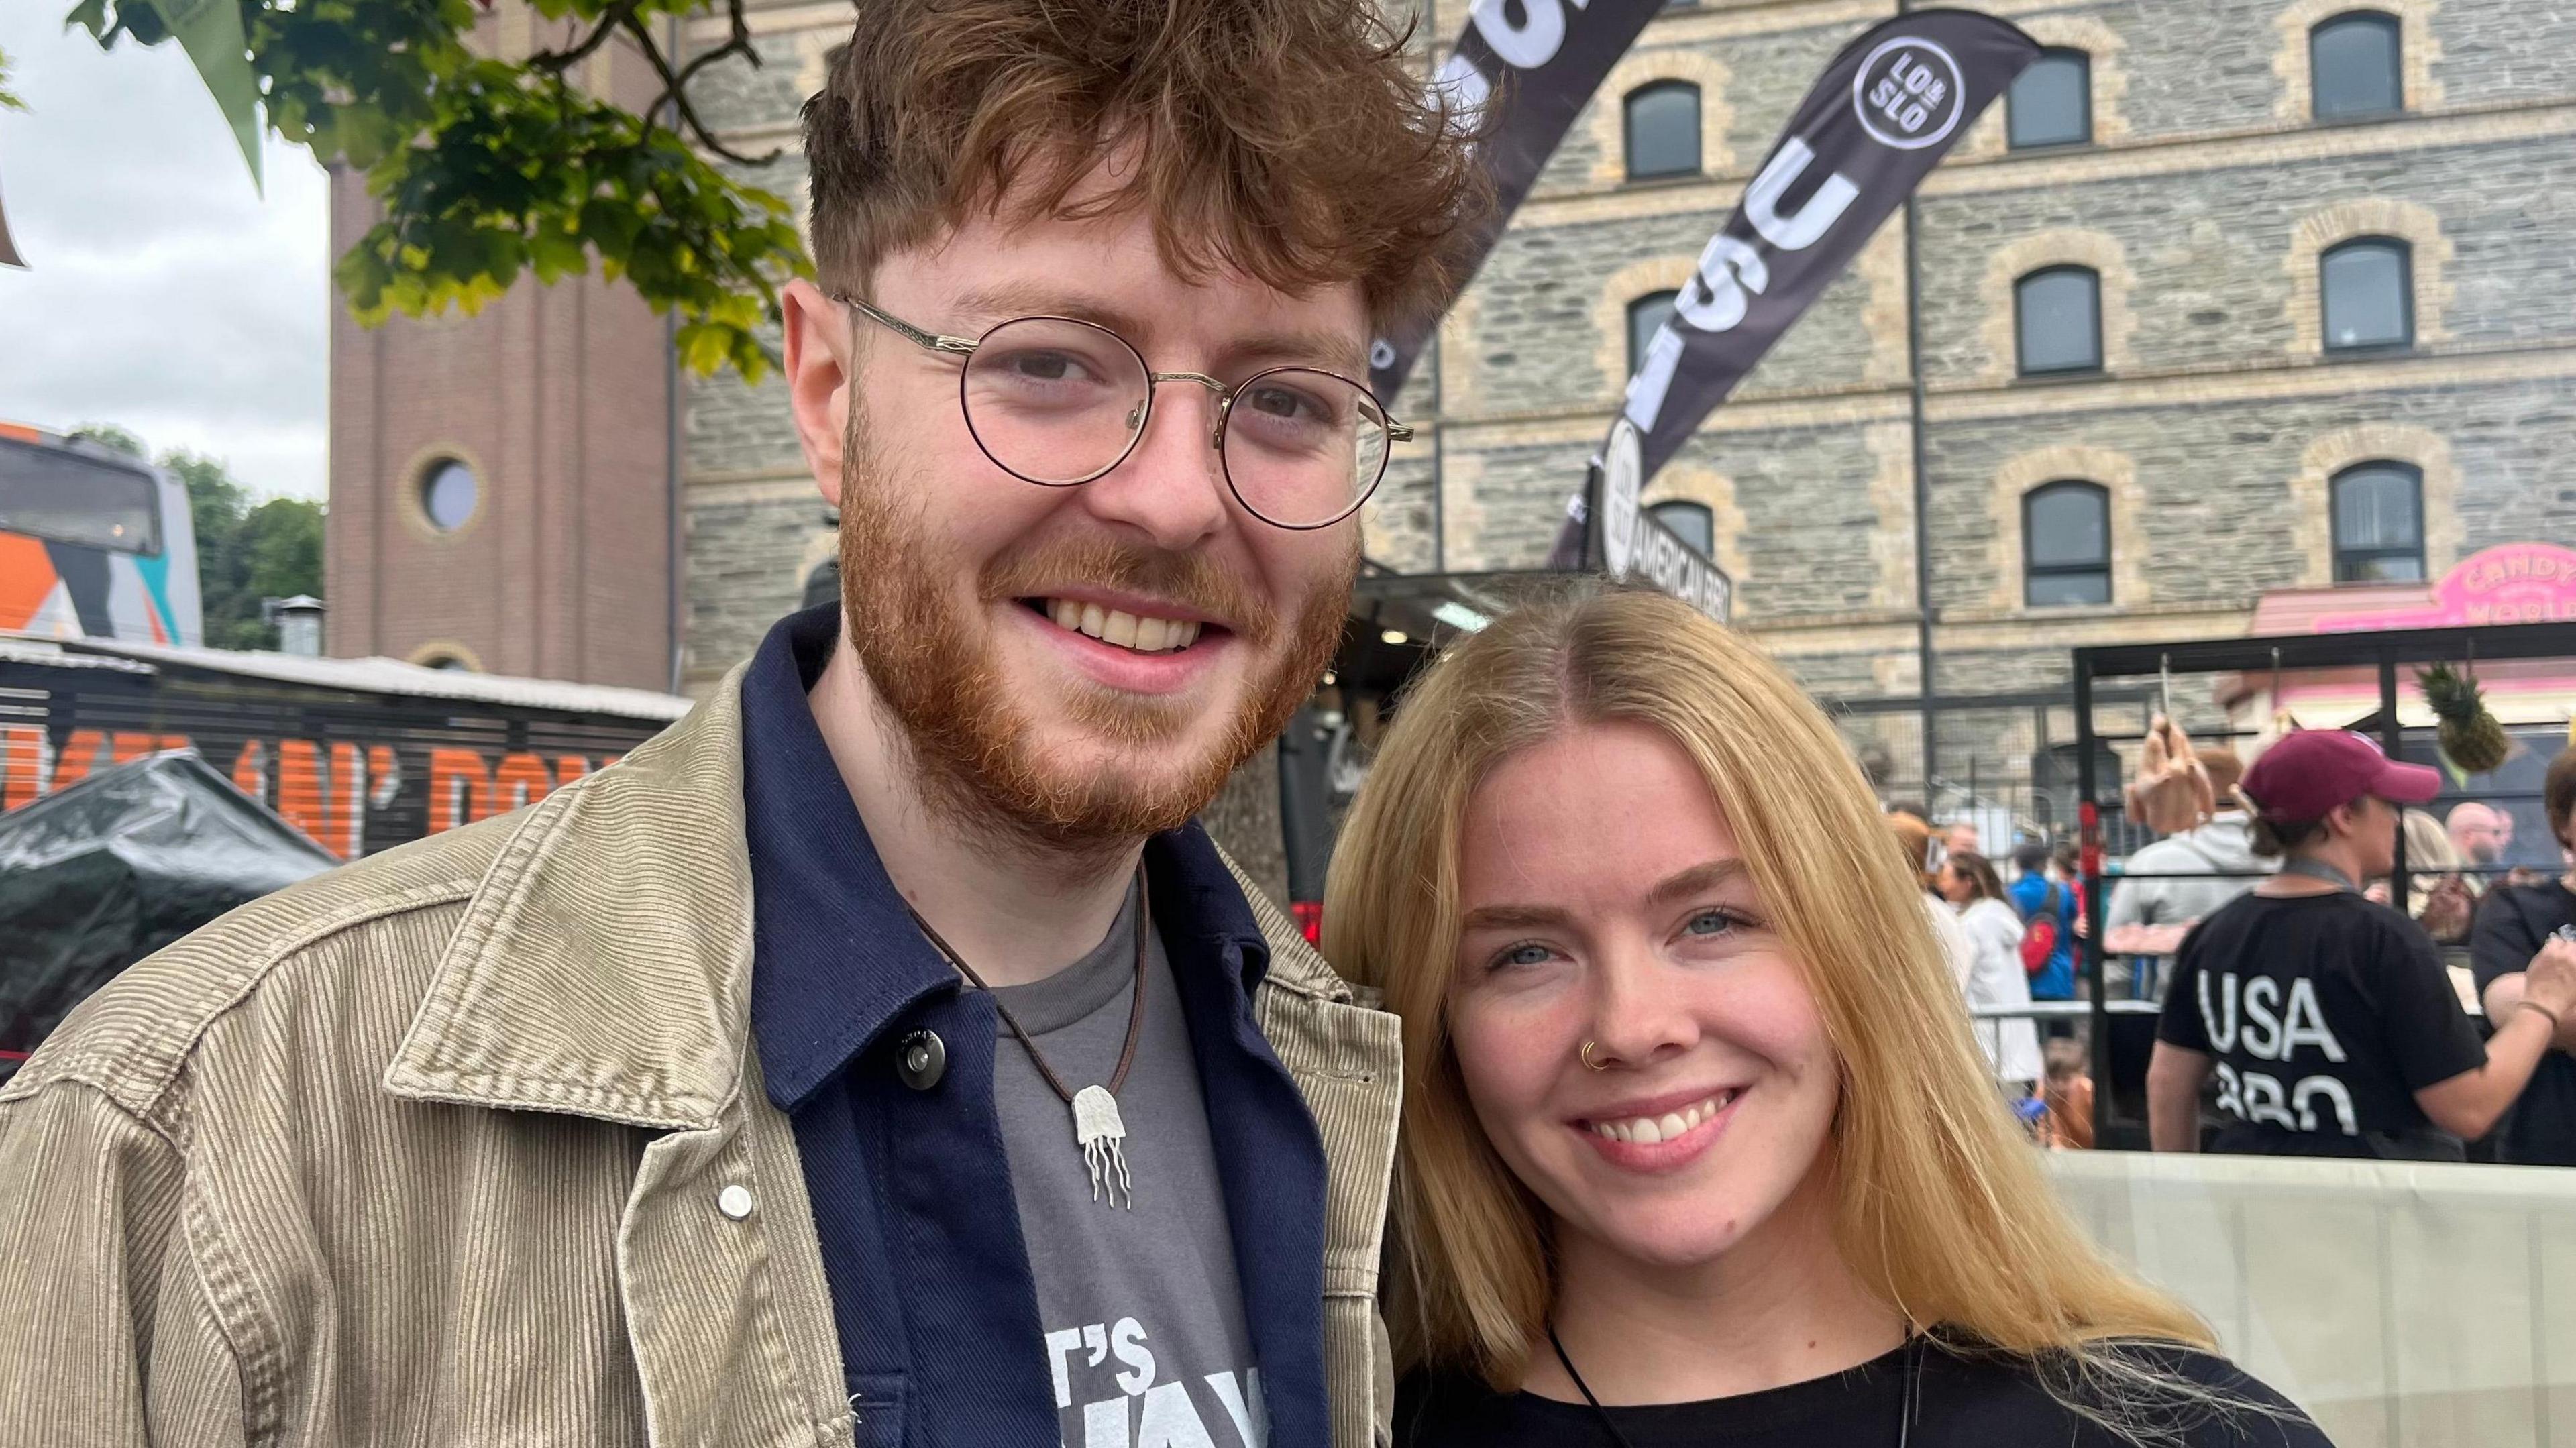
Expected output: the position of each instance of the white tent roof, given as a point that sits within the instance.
(366, 676)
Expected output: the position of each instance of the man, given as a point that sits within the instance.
(2046, 902)
(880, 1056)
(2483, 835)
(2168, 886)
(1961, 839)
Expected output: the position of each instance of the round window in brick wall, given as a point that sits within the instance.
(449, 492)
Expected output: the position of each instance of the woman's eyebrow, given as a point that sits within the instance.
(1513, 917)
(1697, 880)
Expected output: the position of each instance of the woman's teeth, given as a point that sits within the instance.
(1648, 1130)
(1127, 630)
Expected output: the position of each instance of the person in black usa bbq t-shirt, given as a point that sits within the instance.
(2514, 922)
(2329, 1021)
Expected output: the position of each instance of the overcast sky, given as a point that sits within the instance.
(164, 293)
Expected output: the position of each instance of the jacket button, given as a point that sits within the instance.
(922, 1060)
(734, 1201)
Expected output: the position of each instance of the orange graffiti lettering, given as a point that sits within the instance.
(250, 770)
(80, 752)
(329, 806)
(520, 779)
(460, 789)
(22, 766)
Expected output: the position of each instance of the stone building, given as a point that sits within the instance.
(2231, 296)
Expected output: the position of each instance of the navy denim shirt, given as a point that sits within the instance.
(931, 1287)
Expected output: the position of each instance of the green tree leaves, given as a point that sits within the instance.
(487, 170)
(8, 99)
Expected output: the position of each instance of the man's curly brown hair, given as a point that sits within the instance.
(1284, 139)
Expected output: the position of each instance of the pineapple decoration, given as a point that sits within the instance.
(2471, 738)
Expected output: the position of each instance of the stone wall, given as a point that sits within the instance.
(2203, 201)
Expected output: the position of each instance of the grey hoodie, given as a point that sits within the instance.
(2223, 844)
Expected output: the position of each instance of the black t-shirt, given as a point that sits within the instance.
(2326, 1013)
(1962, 1402)
(2513, 922)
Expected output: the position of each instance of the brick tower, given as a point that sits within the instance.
(501, 484)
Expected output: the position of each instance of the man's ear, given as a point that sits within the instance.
(817, 335)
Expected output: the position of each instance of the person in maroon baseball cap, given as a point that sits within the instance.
(2329, 1021)
(2308, 775)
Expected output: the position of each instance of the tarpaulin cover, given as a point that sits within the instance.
(106, 871)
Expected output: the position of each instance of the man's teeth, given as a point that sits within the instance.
(1648, 1130)
(1127, 630)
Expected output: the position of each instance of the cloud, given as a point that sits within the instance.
(165, 294)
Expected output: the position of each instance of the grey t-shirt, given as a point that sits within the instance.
(1142, 1310)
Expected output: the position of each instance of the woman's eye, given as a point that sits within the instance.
(1527, 953)
(1711, 922)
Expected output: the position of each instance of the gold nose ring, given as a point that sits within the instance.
(1588, 1062)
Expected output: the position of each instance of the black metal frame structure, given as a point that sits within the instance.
(2386, 651)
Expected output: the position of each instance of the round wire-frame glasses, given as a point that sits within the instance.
(1343, 406)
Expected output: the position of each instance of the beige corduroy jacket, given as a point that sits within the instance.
(429, 1150)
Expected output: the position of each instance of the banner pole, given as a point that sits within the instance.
(1925, 685)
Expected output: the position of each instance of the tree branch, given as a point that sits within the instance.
(675, 85)
(556, 62)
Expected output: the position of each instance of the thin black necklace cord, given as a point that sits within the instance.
(1909, 1404)
(1135, 1005)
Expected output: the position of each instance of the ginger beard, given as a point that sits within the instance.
(932, 665)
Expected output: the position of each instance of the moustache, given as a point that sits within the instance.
(1188, 581)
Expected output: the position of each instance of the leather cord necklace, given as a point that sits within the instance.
(1096, 1127)
(1911, 1402)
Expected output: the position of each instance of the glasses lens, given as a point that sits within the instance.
(1302, 447)
(1054, 401)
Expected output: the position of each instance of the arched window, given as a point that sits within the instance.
(2052, 102)
(1663, 130)
(1645, 316)
(2369, 294)
(2066, 544)
(2057, 316)
(2379, 523)
(2353, 66)
(1695, 524)
(449, 494)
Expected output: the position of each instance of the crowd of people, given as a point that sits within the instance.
(2302, 1010)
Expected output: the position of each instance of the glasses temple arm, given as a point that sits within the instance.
(954, 346)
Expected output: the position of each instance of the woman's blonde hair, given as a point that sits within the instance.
(1944, 1212)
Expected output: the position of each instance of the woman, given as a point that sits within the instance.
(1698, 1148)
(1923, 854)
(2513, 922)
(1972, 887)
(2329, 1020)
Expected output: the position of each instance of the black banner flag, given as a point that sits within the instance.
(1883, 114)
(1536, 62)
